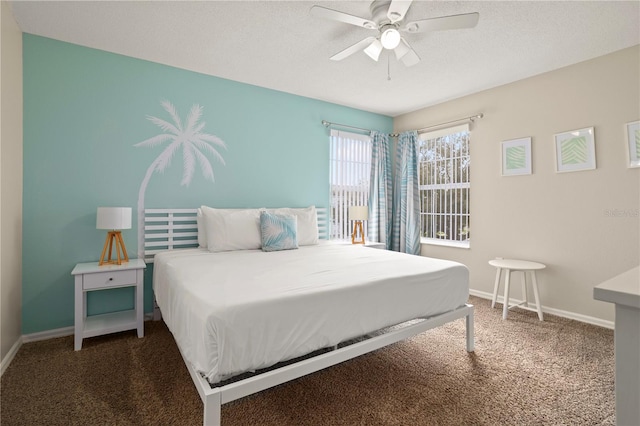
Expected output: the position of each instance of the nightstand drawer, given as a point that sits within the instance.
(109, 279)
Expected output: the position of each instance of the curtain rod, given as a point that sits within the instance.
(471, 118)
(326, 123)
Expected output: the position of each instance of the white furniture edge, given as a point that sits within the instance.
(213, 397)
(624, 291)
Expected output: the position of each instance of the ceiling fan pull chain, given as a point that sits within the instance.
(388, 67)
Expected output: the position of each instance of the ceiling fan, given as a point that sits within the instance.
(387, 18)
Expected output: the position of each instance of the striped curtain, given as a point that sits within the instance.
(405, 235)
(380, 207)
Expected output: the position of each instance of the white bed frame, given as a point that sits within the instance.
(171, 229)
(176, 228)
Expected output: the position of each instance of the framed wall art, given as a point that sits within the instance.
(575, 150)
(633, 143)
(516, 157)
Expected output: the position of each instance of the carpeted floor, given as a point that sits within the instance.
(523, 372)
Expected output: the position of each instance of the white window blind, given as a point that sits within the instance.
(350, 172)
(445, 184)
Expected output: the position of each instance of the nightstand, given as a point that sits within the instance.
(90, 277)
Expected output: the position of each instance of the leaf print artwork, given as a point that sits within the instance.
(516, 157)
(574, 150)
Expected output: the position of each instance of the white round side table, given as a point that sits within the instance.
(509, 265)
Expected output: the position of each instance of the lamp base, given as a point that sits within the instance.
(357, 226)
(114, 238)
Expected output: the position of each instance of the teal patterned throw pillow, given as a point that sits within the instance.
(278, 231)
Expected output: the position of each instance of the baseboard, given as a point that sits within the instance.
(61, 332)
(49, 334)
(4, 364)
(559, 312)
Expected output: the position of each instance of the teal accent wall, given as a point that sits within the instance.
(84, 109)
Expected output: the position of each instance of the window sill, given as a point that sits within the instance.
(437, 242)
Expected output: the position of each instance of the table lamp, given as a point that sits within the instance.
(114, 219)
(358, 214)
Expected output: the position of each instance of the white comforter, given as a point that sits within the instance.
(237, 311)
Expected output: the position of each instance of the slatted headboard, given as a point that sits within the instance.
(171, 229)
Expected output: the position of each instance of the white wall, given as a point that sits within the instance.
(560, 219)
(10, 181)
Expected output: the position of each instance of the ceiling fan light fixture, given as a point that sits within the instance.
(390, 38)
(374, 50)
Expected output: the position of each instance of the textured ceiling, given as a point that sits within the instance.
(279, 45)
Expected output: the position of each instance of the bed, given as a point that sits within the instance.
(239, 311)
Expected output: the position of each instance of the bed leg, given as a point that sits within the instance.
(157, 315)
(470, 333)
(212, 409)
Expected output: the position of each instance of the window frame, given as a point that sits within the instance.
(353, 168)
(461, 218)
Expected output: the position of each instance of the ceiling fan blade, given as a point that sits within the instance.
(406, 54)
(353, 49)
(410, 59)
(402, 49)
(397, 10)
(453, 22)
(323, 12)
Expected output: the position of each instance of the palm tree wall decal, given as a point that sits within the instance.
(194, 144)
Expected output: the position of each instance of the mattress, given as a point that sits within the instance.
(238, 311)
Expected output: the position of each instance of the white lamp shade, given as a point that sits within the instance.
(358, 213)
(374, 50)
(113, 218)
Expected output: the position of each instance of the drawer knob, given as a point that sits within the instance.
(111, 279)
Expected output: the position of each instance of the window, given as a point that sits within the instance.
(444, 183)
(350, 172)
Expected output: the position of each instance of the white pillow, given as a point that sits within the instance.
(207, 209)
(202, 233)
(307, 223)
(232, 229)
